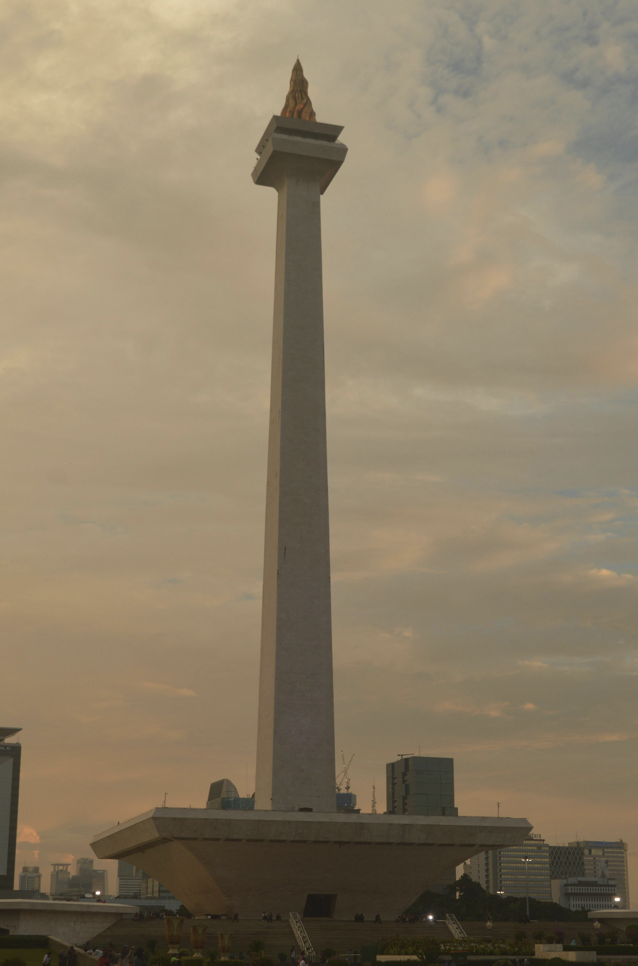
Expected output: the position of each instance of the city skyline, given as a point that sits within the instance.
(481, 368)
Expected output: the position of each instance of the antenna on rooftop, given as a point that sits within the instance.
(343, 775)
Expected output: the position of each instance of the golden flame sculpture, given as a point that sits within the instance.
(298, 104)
(225, 943)
(198, 938)
(173, 929)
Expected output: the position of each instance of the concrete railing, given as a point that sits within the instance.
(83, 959)
(302, 937)
(455, 926)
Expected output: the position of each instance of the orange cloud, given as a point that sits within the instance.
(27, 834)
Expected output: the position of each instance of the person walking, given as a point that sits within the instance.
(62, 958)
(47, 959)
(139, 957)
(72, 956)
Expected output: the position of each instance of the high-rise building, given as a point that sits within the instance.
(607, 860)
(585, 893)
(30, 879)
(420, 786)
(152, 889)
(129, 880)
(417, 785)
(132, 883)
(566, 862)
(503, 871)
(82, 882)
(520, 870)
(10, 754)
(100, 882)
(60, 878)
(86, 881)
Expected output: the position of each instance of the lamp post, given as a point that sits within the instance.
(527, 861)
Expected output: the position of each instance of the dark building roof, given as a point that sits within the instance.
(8, 732)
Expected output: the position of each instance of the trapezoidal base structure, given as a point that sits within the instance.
(226, 862)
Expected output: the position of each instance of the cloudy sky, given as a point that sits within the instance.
(480, 250)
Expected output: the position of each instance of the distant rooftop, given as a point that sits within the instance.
(8, 732)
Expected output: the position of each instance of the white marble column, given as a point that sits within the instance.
(295, 742)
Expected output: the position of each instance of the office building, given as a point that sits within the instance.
(566, 862)
(132, 883)
(585, 893)
(10, 754)
(100, 882)
(30, 879)
(417, 785)
(86, 881)
(420, 786)
(152, 889)
(520, 870)
(607, 860)
(129, 880)
(502, 871)
(60, 878)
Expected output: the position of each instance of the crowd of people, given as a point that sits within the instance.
(268, 917)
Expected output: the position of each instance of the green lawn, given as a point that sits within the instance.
(32, 957)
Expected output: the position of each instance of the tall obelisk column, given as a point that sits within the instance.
(295, 742)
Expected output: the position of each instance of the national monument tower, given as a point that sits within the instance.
(294, 847)
(295, 738)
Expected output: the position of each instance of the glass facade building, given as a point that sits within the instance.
(10, 757)
(129, 880)
(30, 879)
(507, 871)
(566, 862)
(132, 883)
(607, 860)
(503, 870)
(420, 786)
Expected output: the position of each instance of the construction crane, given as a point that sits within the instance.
(343, 775)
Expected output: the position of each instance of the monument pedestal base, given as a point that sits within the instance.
(219, 862)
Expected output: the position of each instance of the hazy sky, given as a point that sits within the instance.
(480, 250)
